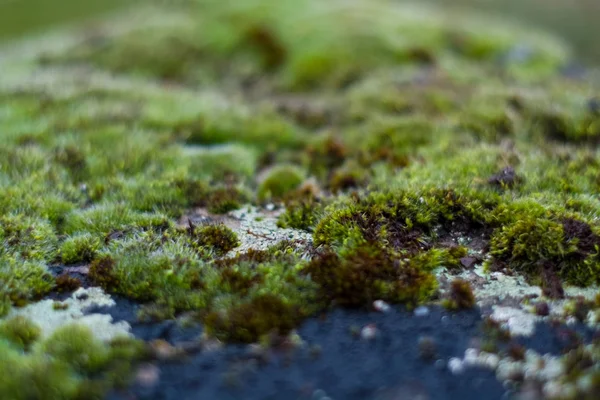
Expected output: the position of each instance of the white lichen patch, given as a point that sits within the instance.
(517, 321)
(49, 318)
(546, 369)
(496, 287)
(257, 229)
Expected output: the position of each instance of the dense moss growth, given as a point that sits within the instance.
(405, 140)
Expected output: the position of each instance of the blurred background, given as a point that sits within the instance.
(575, 20)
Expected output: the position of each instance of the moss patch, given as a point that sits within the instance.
(403, 139)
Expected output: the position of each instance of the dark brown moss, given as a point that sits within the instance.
(66, 283)
(366, 274)
(238, 281)
(249, 321)
(101, 272)
(268, 45)
(343, 179)
(327, 155)
(561, 128)
(542, 308)
(461, 295)
(551, 282)
(581, 234)
(218, 237)
(516, 351)
(493, 331)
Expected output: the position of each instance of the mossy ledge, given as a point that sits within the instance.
(403, 140)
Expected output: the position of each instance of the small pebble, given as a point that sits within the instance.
(421, 311)
(147, 375)
(381, 306)
(455, 365)
(368, 332)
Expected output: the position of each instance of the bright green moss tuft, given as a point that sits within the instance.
(280, 181)
(103, 219)
(29, 238)
(546, 247)
(20, 332)
(22, 281)
(79, 248)
(77, 346)
(302, 212)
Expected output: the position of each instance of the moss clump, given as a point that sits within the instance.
(543, 246)
(461, 296)
(104, 219)
(101, 272)
(79, 248)
(29, 238)
(280, 181)
(370, 273)
(22, 281)
(249, 321)
(221, 200)
(217, 238)
(303, 213)
(77, 346)
(20, 332)
(66, 283)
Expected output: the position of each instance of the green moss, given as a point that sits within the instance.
(70, 364)
(536, 240)
(79, 248)
(221, 200)
(280, 181)
(77, 346)
(271, 43)
(103, 219)
(20, 332)
(29, 238)
(302, 212)
(426, 137)
(218, 238)
(369, 273)
(23, 281)
(261, 293)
